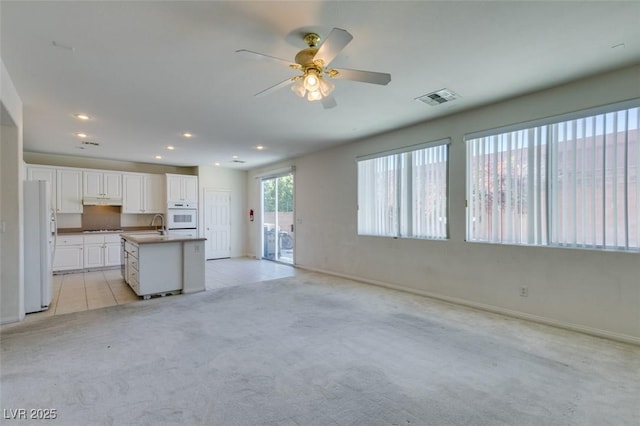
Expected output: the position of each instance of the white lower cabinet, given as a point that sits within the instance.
(68, 254)
(113, 254)
(102, 250)
(75, 252)
(93, 255)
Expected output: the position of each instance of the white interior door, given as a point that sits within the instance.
(217, 227)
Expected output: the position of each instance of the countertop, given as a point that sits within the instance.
(138, 238)
(80, 231)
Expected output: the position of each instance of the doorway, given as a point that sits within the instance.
(278, 218)
(217, 227)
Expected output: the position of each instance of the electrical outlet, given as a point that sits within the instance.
(524, 291)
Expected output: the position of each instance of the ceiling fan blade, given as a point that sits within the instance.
(262, 57)
(275, 87)
(333, 44)
(328, 102)
(363, 76)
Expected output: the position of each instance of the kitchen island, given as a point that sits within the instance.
(161, 264)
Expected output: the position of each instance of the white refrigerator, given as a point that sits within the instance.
(39, 244)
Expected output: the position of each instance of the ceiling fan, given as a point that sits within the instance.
(314, 62)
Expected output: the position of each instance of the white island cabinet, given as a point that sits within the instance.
(160, 264)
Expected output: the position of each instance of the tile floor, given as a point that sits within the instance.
(92, 290)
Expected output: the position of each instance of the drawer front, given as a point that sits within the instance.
(131, 249)
(94, 239)
(133, 263)
(70, 240)
(133, 281)
(112, 238)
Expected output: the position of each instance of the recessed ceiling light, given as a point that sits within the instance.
(216, 164)
(259, 147)
(158, 157)
(170, 148)
(234, 157)
(81, 135)
(187, 135)
(82, 116)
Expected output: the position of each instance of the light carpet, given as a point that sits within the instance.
(312, 350)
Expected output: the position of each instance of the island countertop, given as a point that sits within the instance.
(157, 238)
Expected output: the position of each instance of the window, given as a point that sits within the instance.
(404, 193)
(570, 182)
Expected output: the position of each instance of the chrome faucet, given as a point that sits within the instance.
(163, 230)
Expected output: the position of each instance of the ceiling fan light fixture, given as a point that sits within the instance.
(326, 87)
(314, 95)
(311, 80)
(298, 88)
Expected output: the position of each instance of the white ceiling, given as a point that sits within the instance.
(148, 71)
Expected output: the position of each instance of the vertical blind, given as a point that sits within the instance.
(571, 183)
(404, 194)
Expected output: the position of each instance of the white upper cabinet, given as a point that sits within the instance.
(92, 184)
(132, 193)
(175, 193)
(47, 174)
(112, 185)
(143, 193)
(182, 189)
(65, 183)
(103, 185)
(69, 192)
(154, 193)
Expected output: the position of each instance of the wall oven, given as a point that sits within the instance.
(182, 218)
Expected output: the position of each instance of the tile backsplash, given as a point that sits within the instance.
(100, 217)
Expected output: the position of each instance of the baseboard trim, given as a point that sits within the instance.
(624, 338)
(10, 320)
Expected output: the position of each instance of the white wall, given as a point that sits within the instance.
(11, 177)
(219, 178)
(597, 292)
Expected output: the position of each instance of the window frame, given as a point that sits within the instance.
(550, 183)
(404, 196)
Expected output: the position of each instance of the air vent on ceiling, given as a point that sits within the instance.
(238, 161)
(438, 97)
(90, 143)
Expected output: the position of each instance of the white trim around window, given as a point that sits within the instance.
(403, 192)
(568, 181)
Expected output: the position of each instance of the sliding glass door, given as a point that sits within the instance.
(277, 218)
